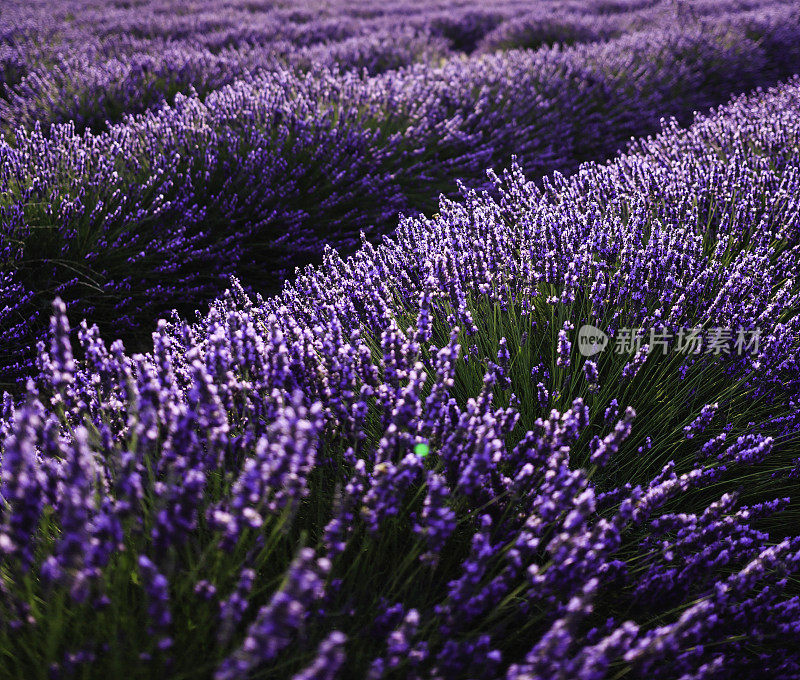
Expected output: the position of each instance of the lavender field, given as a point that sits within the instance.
(430, 340)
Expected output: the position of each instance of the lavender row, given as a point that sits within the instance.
(99, 78)
(92, 76)
(230, 24)
(92, 92)
(404, 467)
(259, 176)
(572, 23)
(218, 25)
(39, 35)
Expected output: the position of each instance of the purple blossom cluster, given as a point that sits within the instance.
(93, 66)
(93, 90)
(280, 149)
(401, 466)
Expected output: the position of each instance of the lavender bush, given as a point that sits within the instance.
(255, 178)
(402, 466)
(92, 93)
(95, 66)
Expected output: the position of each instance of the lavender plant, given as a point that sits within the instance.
(93, 93)
(255, 178)
(403, 466)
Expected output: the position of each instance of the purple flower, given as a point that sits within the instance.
(282, 618)
(701, 422)
(330, 658)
